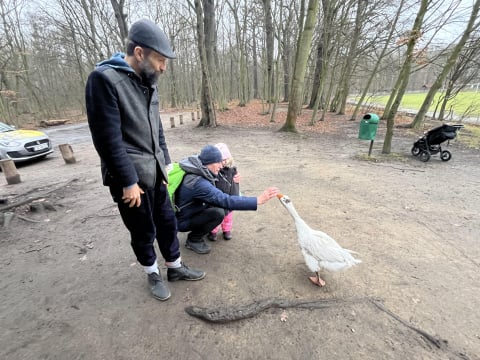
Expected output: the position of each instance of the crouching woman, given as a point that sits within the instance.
(203, 206)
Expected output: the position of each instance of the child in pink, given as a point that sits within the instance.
(228, 182)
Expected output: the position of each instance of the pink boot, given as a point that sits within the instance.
(227, 225)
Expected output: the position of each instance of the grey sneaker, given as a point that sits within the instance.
(158, 288)
(200, 247)
(184, 273)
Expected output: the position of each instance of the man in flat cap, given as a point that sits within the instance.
(123, 116)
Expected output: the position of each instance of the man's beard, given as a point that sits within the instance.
(148, 74)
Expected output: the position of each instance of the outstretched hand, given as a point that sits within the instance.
(268, 194)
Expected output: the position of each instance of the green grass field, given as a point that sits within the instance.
(465, 104)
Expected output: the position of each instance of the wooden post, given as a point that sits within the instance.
(181, 119)
(198, 115)
(193, 116)
(172, 122)
(6, 218)
(10, 171)
(67, 153)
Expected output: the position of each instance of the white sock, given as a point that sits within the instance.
(174, 264)
(152, 268)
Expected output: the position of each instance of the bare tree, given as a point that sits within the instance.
(119, 11)
(269, 33)
(325, 63)
(286, 35)
(472, 25)
(399, 89)
(390, 29)
(303, 50)
(16, 43)
(206, 103)
(353, 51)
(465, 70)
(240, 34)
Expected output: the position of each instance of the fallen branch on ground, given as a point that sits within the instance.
(227, 314)
(38, 249)
(233, 313)
(29, 200)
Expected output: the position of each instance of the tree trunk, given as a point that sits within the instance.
(316, 76)
(402, 81)
(303, 49)
(256, 93)
(317, 99)
(206, 102)
(121, 16)
(269, 32)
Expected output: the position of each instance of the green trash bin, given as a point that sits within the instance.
(368, 127)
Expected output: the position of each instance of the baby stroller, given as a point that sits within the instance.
(429, 143)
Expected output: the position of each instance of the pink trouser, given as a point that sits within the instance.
(226, 224)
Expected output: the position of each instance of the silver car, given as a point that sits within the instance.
(23, 145)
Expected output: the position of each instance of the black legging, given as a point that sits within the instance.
(204, 222)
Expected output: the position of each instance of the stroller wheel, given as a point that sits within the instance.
(445, 155)
(424, 156)
(415, 150)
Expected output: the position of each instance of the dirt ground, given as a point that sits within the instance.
(70, 287)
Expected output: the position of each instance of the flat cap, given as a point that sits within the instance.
(146, 33)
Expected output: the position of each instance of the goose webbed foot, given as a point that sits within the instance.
(317, 280)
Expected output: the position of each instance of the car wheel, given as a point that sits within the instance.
(415, 150)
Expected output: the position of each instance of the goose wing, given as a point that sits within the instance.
(329, 254)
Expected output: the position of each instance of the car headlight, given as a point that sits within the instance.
(10, 143)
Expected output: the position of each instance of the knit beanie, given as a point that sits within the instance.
(224, 150)
(210, 155)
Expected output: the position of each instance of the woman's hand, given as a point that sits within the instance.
(269, 193)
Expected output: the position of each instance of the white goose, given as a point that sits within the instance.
(319, 249)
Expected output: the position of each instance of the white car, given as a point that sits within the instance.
(23, 145)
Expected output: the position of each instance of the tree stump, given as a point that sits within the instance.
(181, 119)
(10, 171)
(172, 122)
(67, 153)
(6, 218)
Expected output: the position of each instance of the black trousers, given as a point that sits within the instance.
(204, 222)
(153, 219)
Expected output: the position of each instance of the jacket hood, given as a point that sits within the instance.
(193, 165)
(117, 61)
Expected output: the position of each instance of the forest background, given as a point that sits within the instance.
(315, 54)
